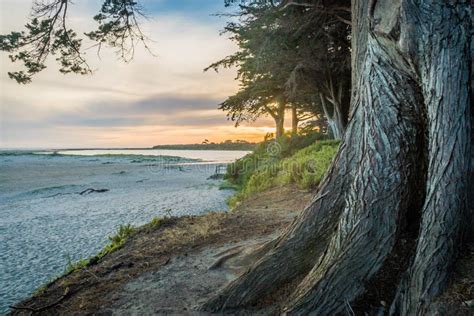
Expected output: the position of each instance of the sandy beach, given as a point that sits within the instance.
(45, 221)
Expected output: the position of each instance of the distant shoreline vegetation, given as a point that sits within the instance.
(226, 145)
(206, 145)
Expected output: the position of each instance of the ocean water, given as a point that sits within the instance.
(45, 222)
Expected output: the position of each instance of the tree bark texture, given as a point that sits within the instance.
(335, 120)
(439, 43)
(408, 143)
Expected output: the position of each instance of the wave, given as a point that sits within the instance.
(134, 158)
(8, 153)
(52, 189)
(45, 192)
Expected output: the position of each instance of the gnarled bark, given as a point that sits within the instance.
(380, 192)
(303, 241)
(410, 121)
(446, 98)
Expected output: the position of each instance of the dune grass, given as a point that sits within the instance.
(116, 241)
(262, 170)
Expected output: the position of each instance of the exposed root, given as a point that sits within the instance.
(41, 309)
(229, 254)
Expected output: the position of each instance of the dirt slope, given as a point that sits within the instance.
(172, 267)
(165, 268)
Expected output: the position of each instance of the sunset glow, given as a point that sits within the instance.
(166, 99)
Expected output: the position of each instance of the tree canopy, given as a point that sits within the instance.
(291, 55)
(48, 34)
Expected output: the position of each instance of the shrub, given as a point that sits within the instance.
(305, 168)
(269, 152)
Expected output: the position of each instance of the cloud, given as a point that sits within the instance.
(166, 99)
(162, 110)
(174, 104)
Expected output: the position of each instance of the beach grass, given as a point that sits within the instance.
(305, 168)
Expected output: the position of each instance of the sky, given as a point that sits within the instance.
(164, 98)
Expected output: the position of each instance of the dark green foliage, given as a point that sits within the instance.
(206, 145)
(301, 160)
(119, 27)
(292, 144)
(47, 34)
(290, 53)
(262, 63)
(269, 152)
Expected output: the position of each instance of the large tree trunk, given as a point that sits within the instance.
(444, 77)
(294, 119)
(280, 126)
(405, 156)
(279, 117)
(335, 122)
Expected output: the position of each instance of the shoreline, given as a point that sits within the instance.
(46, 222)
(174, 265)
(158, 147)
(154, 247)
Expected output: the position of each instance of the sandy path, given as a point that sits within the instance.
(180, 286)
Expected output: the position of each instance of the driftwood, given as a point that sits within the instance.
(90, 190)
(85, 192)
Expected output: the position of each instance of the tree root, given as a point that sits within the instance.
(224, 257)
(410, 121)
(43, 308)
(292, 254)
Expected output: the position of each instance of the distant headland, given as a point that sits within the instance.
(206, 145)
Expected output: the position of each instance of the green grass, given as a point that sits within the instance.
(227, 185)
(41, 289)
(268, 152)
(116, 241)
(74, 266)
(154, 222)
(262, 170)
